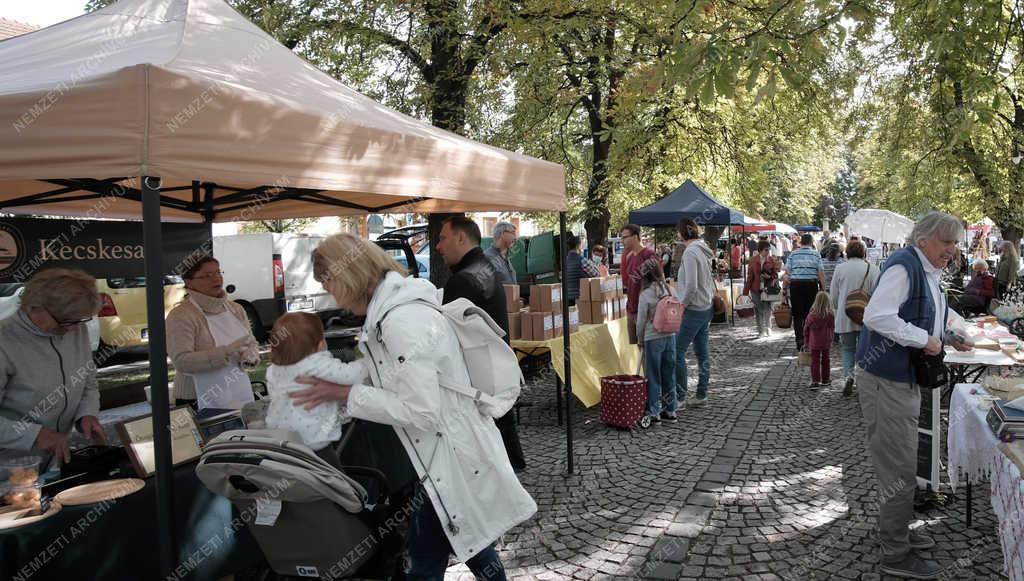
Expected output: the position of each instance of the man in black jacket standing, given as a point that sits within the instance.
(474, 278)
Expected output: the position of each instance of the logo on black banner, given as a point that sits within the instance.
(12, 248)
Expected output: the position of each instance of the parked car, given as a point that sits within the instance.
(122, 319)
(402, 243)
(271, 274)
(10, 301)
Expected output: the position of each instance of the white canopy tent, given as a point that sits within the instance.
(184, 110)
(880, 225)
(782, 228)
(192, 92)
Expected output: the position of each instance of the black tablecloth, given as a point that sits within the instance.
(117, 539)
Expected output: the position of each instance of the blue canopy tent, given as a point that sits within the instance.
(807, 228)
(690, 201)
(687, 201)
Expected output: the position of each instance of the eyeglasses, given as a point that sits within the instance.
(67, 324)
(209, 275)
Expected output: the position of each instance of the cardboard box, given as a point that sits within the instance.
(608, 287)
(543, 326)
(598, 312)
(582, 311)
(525, 326)
(620, 290)
(590, 289)
(574, 319)
(556, 324)
(512, 301)
(515, 326)
(622, 305)
(613, 309)
(546, 298)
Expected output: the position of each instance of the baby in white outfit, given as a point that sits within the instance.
(298, 348)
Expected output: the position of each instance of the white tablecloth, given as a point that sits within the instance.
(973, 453)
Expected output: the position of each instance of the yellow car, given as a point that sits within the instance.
(122, 314)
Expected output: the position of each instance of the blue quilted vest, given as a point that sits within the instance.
(884, 357)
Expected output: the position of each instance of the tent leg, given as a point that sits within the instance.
(728, 270)
(158, 374)
(565, 347)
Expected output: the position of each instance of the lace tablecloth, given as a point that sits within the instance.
(974, 453)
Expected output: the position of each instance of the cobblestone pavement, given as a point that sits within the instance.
(768, 481)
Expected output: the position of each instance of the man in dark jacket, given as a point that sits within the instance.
(474, 278)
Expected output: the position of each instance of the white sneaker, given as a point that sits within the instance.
(697, 400)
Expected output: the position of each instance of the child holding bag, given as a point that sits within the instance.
(659, 347)
(819, 331)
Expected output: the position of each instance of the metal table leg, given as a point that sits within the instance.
(970, 503)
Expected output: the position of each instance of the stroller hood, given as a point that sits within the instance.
(274, 465)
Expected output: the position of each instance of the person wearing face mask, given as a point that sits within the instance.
(905, 322)
(47, 375)
(209, 341)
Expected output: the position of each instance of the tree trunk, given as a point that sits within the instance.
(598, 218)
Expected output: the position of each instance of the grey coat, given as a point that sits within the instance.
(45, 381)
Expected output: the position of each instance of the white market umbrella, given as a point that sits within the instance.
(880, 225)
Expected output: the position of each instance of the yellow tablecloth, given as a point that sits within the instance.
(597, 351)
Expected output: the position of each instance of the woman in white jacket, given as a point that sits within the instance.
(474, 495)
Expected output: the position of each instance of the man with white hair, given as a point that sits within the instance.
(504, 236)
(905, 323)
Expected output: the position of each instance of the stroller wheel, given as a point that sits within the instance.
(645, 422)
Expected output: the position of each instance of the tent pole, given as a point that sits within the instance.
(158, 373)
(567, 371)
(728, 271)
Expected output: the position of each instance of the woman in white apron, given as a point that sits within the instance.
(210, 342)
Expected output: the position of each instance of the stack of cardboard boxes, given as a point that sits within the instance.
(542, 320)
(601, 299)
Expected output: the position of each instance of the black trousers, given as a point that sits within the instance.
(510, 437)
(801, 297)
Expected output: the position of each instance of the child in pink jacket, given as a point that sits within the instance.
(819, 331)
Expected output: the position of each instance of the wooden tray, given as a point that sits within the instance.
(9, 516)
(99, 491)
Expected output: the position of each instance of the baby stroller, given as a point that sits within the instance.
(309, 518)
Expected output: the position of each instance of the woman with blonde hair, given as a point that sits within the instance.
(819, 332)
(468, 494)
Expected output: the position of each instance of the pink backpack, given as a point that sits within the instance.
(668, 315)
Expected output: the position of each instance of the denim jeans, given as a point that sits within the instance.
(660, 367)
(848, 350)
(429, 549)
(695, 329)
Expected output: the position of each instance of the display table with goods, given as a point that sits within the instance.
(976, 453)
(995, 348)
(96, 537)
(598, 350)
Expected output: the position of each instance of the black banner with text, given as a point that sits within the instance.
(104, 249)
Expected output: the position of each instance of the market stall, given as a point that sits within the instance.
(976, 454)
(182, 110)
(598, 350)
(689, 201)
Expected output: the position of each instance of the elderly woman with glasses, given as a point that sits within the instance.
(47, 375)
(210, 342)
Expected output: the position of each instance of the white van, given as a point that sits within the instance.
(271, 274)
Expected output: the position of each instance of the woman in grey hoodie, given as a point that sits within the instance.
(696, 289)
(47, 375)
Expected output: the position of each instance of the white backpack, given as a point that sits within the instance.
(494, 374)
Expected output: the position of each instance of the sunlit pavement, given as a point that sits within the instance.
(768, 481)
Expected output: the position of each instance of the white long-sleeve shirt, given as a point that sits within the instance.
(882, 312)
(321, 425)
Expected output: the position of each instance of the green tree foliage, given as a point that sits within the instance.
(944, 127)
(280, 226)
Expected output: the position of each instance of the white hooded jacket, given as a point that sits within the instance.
(456, 450)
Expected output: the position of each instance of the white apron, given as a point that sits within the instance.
(227, 387)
